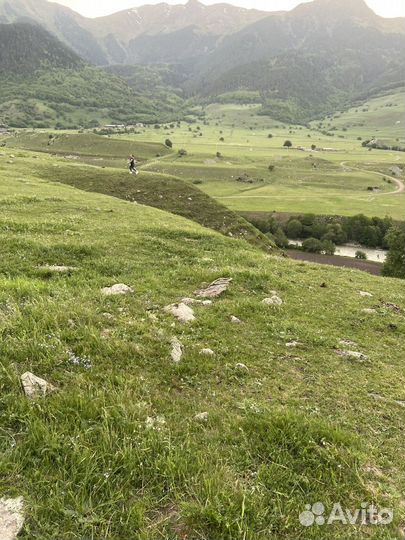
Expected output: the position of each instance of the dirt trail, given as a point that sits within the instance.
(397, 181)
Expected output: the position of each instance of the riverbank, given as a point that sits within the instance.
(370, 267)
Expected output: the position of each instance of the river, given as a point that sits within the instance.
(349, 250)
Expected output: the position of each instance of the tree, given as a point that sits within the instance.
(294, 228)
(394, 266)
(328, 247)
(280, 238)
(312, 245)
(313, 146)
(168, 143)
(288, 144)
(271, 168)
(270, 136)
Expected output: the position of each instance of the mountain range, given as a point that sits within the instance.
(317, 58)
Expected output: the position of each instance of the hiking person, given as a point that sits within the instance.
(132, 165)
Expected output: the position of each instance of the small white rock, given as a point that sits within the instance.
(241, 367)
(369, 311)
(235, 320)
(292, 344)
(201, 417)
(35, 386)
(274, 300)
(207, 352)
(119, 288)
(181, 311)
(177, 350)
(156, 423)
(347, 343)
(58, 268)
(365, 294)
(11, 517)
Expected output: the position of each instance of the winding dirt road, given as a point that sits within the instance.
(397, 181)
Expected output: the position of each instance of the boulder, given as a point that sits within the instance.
(181, 311)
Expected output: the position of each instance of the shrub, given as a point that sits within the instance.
(287, 144)
(271, 168)
(197, 182)
(312, 245)
(361, 255)
(328, 247)
(168, 143)
(182, 152)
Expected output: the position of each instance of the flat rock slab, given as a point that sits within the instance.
(181, 311)
(11, 517)
(352, 354)
(365, 294)
(177, 350)
(118, 288)
(35, 386)
(214, 289)
(59, 269)
(191, 301)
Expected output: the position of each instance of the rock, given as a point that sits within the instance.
(156, 423)
(365, 294)
(58, 268)
(207, 352)
(241, 367)
(11, 517)
(292, 344)
(216, 288)
(274, 300)
(352, 354)
(235, 320)
(201, 417)
(396, 171)
(177, 350)
(192, 301)
(390, 306)
(35, 386)
(347, 343)
(119, 288)
(181, 311)
(369, 311)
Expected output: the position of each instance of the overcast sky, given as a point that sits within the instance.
(95, 8)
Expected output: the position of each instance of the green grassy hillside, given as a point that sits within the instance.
(117, 451)
(108, 175)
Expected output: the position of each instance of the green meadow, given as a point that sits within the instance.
(229, 445)
(310, 181)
